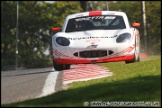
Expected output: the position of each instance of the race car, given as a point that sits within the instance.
(95, 37)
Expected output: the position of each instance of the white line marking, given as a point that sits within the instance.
(49, 84)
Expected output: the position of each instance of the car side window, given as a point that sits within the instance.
(71, 26)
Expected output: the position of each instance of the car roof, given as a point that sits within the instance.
(95, 13)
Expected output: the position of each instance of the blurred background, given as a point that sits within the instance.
(26, 27)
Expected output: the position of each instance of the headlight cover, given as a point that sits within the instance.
(62, 41)
(123, 37)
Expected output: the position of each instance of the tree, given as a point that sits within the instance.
(153, 18)
(8, 24)
(83, 5)
(35, 22)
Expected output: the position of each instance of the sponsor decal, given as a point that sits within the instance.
(92, 46)
(92, 41)
(95, 17)
(90, 37)
(108, 17)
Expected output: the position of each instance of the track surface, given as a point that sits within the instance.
(28, 84)
(22, 84)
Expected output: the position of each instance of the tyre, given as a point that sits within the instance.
(58, 67)
(136, 52)
(67, 66)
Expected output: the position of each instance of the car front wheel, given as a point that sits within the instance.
(136, 53)
(57, 67)
(60, 67)
(67, 66)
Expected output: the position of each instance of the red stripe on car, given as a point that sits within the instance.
(82, 61)
(60, 54)
(95, 13)
(123, 51)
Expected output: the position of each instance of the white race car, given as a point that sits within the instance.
(95, 37)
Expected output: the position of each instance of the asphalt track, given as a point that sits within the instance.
(22, 84)
(34, 83)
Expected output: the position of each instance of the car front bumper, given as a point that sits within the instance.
(89, 61)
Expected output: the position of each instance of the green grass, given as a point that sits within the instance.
(133, 82)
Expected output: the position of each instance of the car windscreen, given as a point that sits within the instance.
(107, 22)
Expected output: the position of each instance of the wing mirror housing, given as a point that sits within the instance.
(136, 24)
(56, 29)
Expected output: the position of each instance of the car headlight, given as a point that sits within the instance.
(62, 41)
(123, 37)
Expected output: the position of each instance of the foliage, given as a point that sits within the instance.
(8, 18)
(83, 5)
(153, 26)
(35, 22)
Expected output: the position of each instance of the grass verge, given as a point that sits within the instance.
(135, 82)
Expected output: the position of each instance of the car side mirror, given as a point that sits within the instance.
(56, 29)
(136, 24)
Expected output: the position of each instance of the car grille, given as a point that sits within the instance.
(93, 53)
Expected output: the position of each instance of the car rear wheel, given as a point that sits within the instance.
(136, 53)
